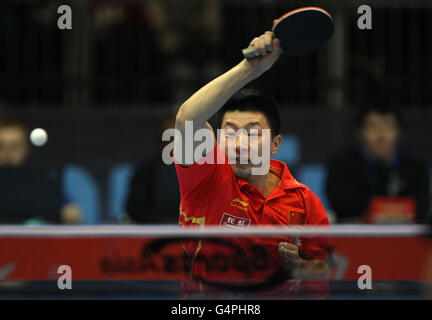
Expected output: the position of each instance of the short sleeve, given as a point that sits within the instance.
(202, 174)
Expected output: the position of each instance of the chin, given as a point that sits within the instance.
(240, 172)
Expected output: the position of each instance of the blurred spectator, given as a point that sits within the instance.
(14, 144)
(126, 57)
(15, 168)
(375, 181)
(183, 33)
(153, 50)
(154, 192)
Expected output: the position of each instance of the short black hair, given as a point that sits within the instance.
(254, 100)
(380, 108)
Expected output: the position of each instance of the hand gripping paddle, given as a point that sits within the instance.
(300, 32)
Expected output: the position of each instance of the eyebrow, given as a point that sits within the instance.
(230, 124)
(250, 124)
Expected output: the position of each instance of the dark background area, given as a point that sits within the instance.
(101, 88)
(145, 52)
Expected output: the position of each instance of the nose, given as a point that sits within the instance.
(242, 142)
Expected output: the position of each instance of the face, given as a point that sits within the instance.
(246, 140)
(14, 147)
(380, 135)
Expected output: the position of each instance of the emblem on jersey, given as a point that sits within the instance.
(232, 222)
(297, 217)
(239, 204)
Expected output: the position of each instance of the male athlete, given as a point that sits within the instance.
(230, 195)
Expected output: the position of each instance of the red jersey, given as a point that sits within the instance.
(211, 194)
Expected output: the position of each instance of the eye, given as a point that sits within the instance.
(254, 134)
(230, 133)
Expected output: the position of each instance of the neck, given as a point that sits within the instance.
(264, 183)
(385, 159)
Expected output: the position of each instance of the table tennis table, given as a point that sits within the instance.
(98, 256)
(170, 290)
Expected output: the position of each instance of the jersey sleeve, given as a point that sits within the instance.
(200, 176)
(315, 247)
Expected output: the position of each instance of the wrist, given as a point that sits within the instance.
(248, 72)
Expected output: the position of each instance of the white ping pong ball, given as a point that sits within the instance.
(38, 137)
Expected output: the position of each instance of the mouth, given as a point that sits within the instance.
(245, 160)
(242, 162)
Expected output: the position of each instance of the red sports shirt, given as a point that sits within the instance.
(212, 195)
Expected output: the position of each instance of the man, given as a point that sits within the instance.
(154, 192)
(14, 144)
(231, 195)
(375, 174)
(15, 153)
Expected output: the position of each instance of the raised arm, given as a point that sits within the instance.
(203, 104)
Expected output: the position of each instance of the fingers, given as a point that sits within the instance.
(288, 249)
(251, 44)
(295, 240)
(268, 41)
(264, 44)
(287, 246)
(276, 51)
(290, 256)
(294, 243)
(276, 43)
(260, 46)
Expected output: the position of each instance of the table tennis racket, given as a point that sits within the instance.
(300, 32)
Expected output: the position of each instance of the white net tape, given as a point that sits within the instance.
(164, 231)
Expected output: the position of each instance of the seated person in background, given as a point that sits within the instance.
(24, 187)
(375, 181)
(154, 195)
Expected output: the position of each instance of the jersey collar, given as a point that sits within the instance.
(281, 170)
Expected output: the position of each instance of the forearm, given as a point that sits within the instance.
(210, 98)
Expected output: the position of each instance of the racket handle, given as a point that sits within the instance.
(249, 53)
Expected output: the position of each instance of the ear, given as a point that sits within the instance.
(276, 144)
